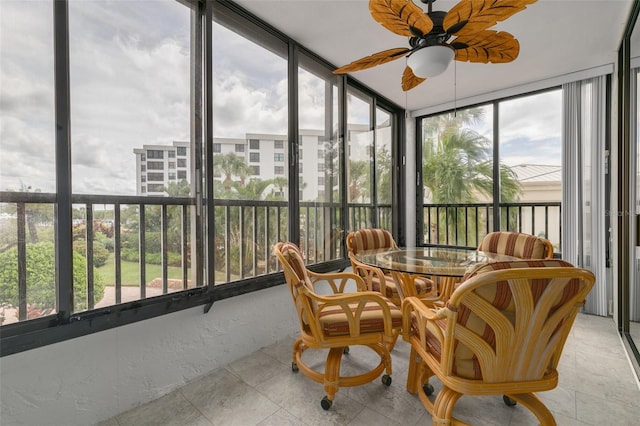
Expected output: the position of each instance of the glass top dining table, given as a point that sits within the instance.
(449, 265)
(450, 262)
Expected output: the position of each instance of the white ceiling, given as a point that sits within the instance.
(557, 37)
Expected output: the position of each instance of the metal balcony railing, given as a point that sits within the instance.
(134, 247)
(155, 245)
(464, 225)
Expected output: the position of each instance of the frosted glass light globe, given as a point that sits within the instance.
(430, 61)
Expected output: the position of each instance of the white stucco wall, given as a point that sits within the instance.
(92, 378)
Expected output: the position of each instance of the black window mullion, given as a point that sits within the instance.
(89, 244)
(142, 250)
(373, 127)
(419, 187)
(343, 152)
(63, 208)
(164, 247)
(117, 251)
(198, 239)
(496, 167)
(294, 136)
(184, 232)
(208, 141)
(22, 260)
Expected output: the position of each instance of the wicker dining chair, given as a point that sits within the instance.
(517, 244)
(501, 333)
(337, 321)
(375, 278)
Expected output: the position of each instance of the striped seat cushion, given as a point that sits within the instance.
(292, 254)
(499, 295)
(370, 239)
(333, 319)
(423, 286)
(481, 268)
(524, 246)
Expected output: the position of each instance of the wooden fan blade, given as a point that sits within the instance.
(410, 80)
(488, 46)
(402, 17)
(472, 16)
(373, 60)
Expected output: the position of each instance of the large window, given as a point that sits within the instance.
(28, 165)
(531, 156)
(383, 169)
(359, 160)
(250, 103)
(457, 169)
(477, 178)
(115, 50)
(175, 194)
(321, 211)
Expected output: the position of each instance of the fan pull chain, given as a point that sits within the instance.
(406, 110)
(455, 89)
(406, 96)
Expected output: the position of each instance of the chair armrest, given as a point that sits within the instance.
(344, 301)
(414, 311)
(337, 280)
(368, 273)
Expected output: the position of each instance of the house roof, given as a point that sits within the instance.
(537, 173)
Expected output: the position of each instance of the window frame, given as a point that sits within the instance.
(65, 324)
(494, 119)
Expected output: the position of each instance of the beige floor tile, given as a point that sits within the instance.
(369, 417)
(226, 400)
(282, 418)
(301, 397)
(257, 367)
(171, 409)
(596, 387)
(595, 410)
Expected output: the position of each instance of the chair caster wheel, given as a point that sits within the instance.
(326, 403)
(386, 380)
(508, 401)
(346, 350)
(428, 389)
(294, 367)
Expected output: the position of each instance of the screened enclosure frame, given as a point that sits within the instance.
(65, 323)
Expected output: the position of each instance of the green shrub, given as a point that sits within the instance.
(106, 242)
(41, 278)
(100, 253)
(130, 254)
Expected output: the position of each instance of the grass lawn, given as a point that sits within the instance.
(130, 272)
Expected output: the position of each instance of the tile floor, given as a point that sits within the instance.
(596, 387)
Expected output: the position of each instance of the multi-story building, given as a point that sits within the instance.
(267, 155)
(159, 165)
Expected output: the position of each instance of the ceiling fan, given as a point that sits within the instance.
(438, 37)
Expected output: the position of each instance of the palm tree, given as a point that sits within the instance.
(280, 183)
(359, 180)
(383, 175)
(457, 166)
(457, 162)
(230, 165)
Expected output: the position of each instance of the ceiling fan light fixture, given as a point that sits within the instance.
(430, 61)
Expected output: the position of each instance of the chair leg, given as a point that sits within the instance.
(443, 407)
(392, 344)
(533, 403)
(297, 348)
(412, 374)
(332, 374)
